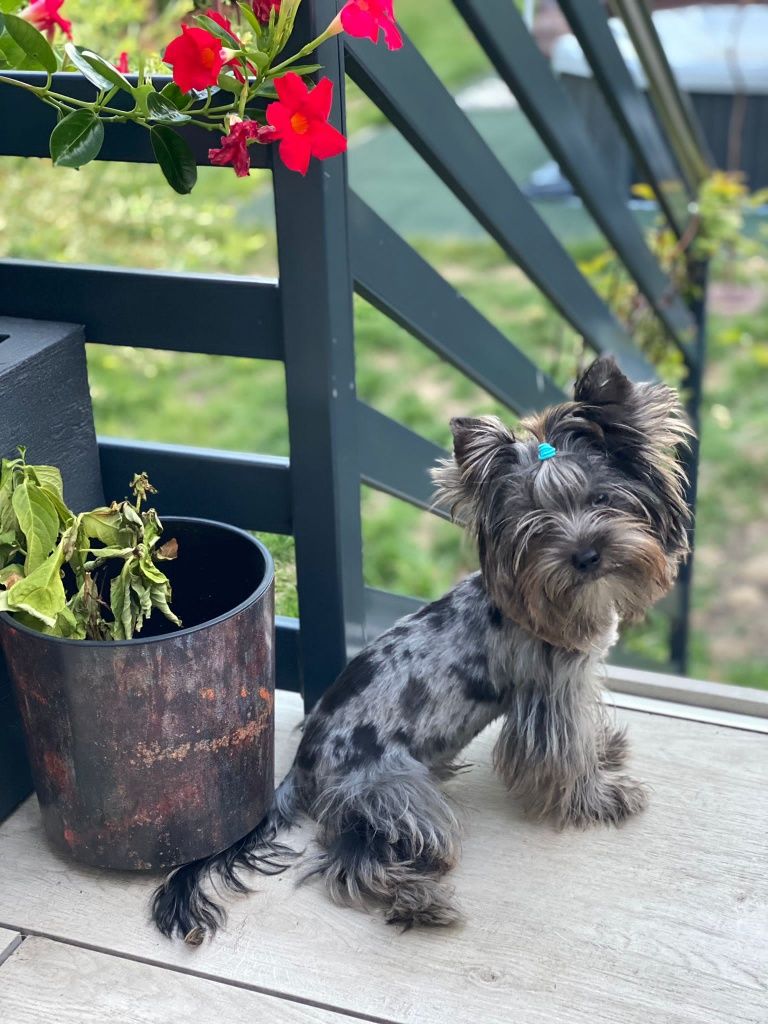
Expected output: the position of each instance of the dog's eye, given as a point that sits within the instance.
(600, 499)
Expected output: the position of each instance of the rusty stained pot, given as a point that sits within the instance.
(151, 752)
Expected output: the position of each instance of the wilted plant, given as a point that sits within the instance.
(54, 564)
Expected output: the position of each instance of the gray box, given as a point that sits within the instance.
(45, 404)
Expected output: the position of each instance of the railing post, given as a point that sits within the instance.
(680, 625)
(318, 328)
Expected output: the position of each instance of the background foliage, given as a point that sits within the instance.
(240, 404)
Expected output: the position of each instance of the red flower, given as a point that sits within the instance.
(261, 9)
(364, 19)
(235, 62)
(300, 119)
(122, 63)
(196, 57)
(44, 15)
(234, 146)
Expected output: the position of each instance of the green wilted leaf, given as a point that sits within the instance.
(41, 594)
(38, 520)
(77, 139)
(108, 526)
(120, 602)
(161, 595)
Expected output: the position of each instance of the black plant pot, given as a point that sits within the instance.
(151, 752)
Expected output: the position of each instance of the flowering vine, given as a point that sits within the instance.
(227, 78)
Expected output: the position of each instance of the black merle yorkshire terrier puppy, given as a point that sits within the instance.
(581, 523)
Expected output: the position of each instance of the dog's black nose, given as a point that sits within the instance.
(585, 560)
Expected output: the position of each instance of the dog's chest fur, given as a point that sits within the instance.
(433, 681)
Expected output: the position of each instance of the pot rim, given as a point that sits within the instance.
(7, 620)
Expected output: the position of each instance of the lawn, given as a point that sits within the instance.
(127, 216)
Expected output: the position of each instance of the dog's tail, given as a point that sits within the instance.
(180, 906)
(387, 837)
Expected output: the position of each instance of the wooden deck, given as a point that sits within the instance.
(664, 921)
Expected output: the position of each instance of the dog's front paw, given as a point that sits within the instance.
(608, 799)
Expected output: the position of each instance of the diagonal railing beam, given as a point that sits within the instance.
(405, 88)
(396, 280)
(502, 33)
(631, 108)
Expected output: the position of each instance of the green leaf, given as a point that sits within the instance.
(298, 69)
(12, 56)
(261, 60)
(48, 477)
(11, 6)
(180, 100)
(39, 522)
(175, 158)
(159, 108)
(250, 17)
(86, 69)
(41, 594)
(106, 70)
(77, 139)
(33, 43)
(229, 83)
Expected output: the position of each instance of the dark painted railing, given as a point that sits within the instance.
(331, 243)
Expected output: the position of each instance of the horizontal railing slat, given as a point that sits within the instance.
(220, 315)
(383, 609)
(395, 279)
(630, 107)
(501, 31)
(27, 124)
(249, 491)
(408, 92)
(396, 460)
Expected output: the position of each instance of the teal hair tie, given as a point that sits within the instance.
(546, 451)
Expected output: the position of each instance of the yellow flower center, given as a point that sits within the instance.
(207, 57)
(300, 124)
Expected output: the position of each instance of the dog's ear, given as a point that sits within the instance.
(636, 421)
(642, 427)
(604, 392)
(477, 441)
(479, 445)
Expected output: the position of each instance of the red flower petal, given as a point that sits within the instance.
(295, 151)
(359, 23)
(392, 36)
(319, 99)
(326, 140)
(278, 116)
(291, 90)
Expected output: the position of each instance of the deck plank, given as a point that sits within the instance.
(45, 981)
(9, 940)
(663, 920)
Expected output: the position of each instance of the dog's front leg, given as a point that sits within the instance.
(559, 754)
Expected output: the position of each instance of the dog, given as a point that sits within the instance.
(581, 522)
